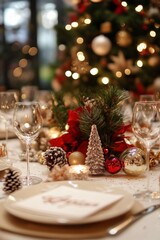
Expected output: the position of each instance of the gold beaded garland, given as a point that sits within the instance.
(76, 158)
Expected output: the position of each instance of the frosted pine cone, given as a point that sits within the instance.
(55, 156)
(12, 181)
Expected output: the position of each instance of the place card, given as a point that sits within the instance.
(67, 202)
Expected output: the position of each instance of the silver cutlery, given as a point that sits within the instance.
(131, 219)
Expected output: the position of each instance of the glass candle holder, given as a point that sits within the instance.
(79, 172)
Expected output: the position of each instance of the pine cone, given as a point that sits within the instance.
(12, 181)
(55, 156)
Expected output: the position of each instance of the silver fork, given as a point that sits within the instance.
(131, 219)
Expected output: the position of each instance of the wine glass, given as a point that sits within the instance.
(7, 102)
(27, 122)
(146, 127)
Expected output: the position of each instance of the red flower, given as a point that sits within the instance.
(82, 6)
(118, 139)
(67, 142)
(83, 147)
(119, 8)
(73, 122)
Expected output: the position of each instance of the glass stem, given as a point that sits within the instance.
(28, 169)
(7, 130)
(148, 173)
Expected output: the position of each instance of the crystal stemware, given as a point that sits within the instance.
(146, 127)
(27, 122)
(7, 103)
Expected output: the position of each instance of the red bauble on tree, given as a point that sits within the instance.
(113, 164)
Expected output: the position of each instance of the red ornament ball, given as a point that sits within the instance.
(113, 164)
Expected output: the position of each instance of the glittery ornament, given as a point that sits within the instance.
(113, 164)
(123, 38)
(95, 156)
(54, 156)
(101, 45)
(76, 158)
(133, 161)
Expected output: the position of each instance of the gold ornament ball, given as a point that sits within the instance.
(154, 61)
(133, 161)
(123, 38)
(76, 158)
(101, 45)
(106, 27)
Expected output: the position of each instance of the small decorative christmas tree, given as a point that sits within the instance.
(12, 181)
(95, 157)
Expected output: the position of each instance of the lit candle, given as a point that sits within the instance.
(78, 172)
(54, 132)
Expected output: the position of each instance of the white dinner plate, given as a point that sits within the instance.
(115, 210)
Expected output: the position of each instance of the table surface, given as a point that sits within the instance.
(146, 228)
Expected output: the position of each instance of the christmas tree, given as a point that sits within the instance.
(109, 42)
(95, 156)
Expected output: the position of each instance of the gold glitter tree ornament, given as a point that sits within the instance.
(95, 157)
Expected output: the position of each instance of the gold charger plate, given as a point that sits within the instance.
(22, 227)
(120, 207)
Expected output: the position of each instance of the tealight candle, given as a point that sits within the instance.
(78, 172)
(54, 132)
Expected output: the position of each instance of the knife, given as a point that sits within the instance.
(131, 219)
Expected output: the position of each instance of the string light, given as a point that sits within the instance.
(87, 21)
(124, 4)
(94, 71)
(17, 72)
(151, 50)
(23, 63)
(118, 74)
(80, 40)
(139, 63)
(68, 73)
(68, 27)
(61, 47)
(75, 76)
(141, 46)
(105, 80)
(33, 51)
(80, 56)
(127, 71)
(25, 49)
(152, 33)
(139, 8)
(74, 24)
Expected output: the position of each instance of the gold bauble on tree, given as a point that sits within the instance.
(76, 158)
(101, 45)
(154, 61)
(123, 38)
(106, 27)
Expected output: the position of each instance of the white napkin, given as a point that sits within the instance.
(67, 202)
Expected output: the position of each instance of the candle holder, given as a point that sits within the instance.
(79, 172)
